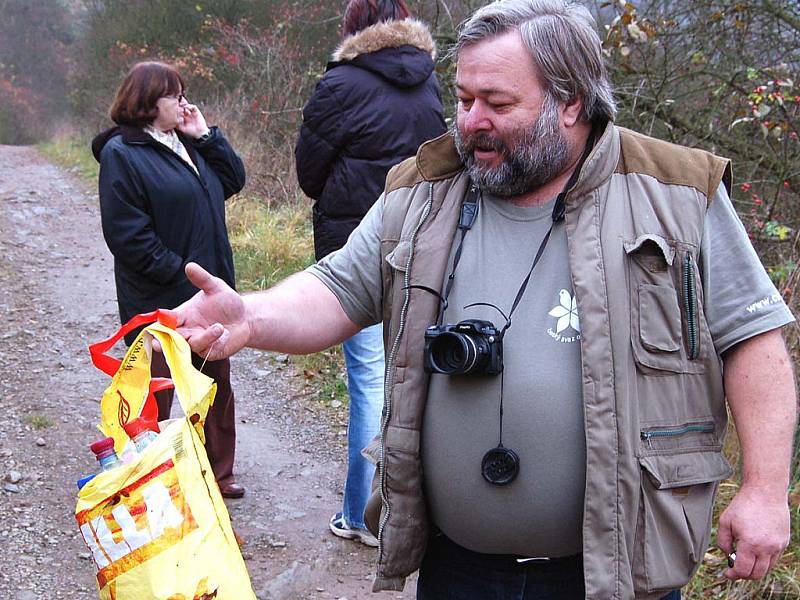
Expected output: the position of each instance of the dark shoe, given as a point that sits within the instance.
(231, 490)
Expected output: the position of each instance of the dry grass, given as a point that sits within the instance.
(266, 146)
(270, 243)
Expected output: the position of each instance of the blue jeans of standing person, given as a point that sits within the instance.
(363, 356)
(452, 572)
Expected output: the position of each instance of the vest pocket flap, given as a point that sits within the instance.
(650, 244)
(669, 471)
(398, 258)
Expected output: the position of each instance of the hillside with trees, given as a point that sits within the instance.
(715, 74)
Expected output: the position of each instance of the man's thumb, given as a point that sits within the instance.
(199, 277)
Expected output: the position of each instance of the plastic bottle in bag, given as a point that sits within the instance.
(141, 432)
(105, 455)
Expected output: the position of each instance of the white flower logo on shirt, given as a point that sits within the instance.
(566, 312)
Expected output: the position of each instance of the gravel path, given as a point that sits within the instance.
(57, 296)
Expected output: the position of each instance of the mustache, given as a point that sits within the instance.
(484, 141)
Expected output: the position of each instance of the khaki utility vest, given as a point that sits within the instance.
(654, 404)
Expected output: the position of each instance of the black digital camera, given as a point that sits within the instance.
(470, 347)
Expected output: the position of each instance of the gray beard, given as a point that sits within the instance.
(539, 155)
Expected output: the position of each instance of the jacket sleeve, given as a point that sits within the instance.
(224, 161)
(322, 136)
(127, 226)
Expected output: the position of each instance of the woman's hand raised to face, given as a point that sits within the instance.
(194, 123)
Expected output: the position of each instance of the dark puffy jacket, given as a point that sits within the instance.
(377, 102)
(158, 214)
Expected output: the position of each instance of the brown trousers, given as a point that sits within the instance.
(220, 427)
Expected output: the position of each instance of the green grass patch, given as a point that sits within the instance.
(38, 421)
(72, 153)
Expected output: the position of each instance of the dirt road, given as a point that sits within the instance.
(57, 296)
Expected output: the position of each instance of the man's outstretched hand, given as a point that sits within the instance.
(213, 321)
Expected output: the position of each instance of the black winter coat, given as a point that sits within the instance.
(158, 214)
(377, 102)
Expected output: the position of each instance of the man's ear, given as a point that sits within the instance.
(571, 112)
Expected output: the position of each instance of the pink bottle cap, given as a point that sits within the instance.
(102, 447)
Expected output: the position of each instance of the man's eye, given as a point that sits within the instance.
(465, 102)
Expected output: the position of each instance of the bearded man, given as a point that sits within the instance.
(559, 298)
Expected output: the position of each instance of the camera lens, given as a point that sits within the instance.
(456, 353)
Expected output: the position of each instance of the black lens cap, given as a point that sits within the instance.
(500, 466)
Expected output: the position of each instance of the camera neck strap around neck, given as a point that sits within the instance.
(469, 213)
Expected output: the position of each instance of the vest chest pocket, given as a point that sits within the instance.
(665, 331)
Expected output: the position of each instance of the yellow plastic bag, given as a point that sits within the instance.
(157, 527)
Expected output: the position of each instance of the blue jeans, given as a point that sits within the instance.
(363, 357)
(451, 572)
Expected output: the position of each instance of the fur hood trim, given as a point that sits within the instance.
(388, 34)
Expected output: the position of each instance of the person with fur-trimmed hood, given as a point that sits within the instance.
(377, 102)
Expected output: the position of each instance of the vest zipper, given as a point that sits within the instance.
(648, 435)
(690, 305)
(390, 364)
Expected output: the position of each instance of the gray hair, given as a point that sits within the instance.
(562, 40)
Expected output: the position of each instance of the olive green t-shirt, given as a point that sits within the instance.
(540, 512)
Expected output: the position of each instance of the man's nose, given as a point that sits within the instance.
(476, 119)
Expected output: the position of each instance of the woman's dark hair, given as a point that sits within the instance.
(145, 83)
(360, 14)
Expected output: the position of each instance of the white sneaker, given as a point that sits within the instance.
(340, 527)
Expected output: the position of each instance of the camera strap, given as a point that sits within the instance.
(500, 465)
(466, 219)
(559, 210)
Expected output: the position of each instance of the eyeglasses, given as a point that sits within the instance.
(179, 97)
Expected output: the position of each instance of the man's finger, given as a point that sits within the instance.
(724, 537)
(761, 567)
(774, 559)
(743, 566)
(201, 278)
(201, 340)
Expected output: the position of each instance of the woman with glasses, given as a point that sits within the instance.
(164, 178)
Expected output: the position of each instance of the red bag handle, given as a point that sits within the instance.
(110, 365)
